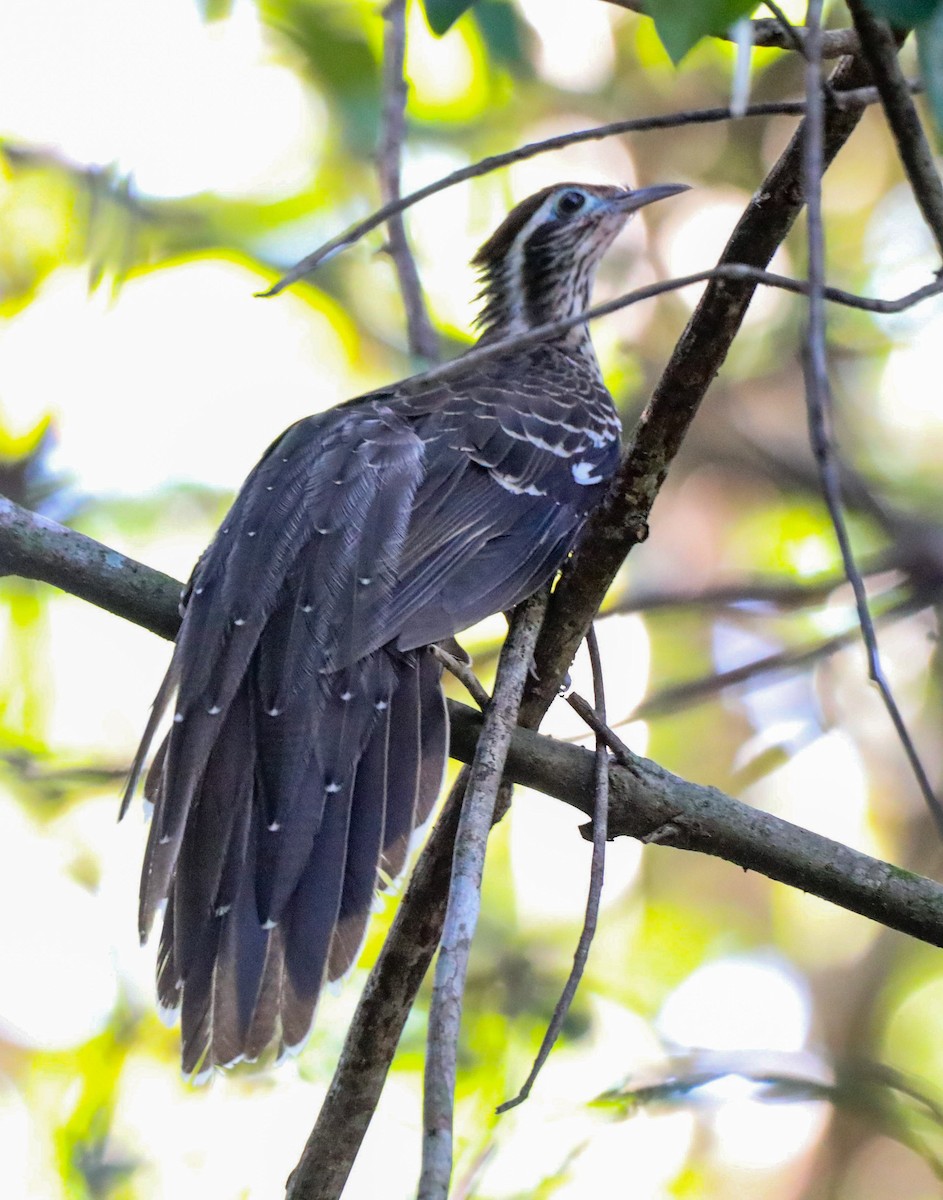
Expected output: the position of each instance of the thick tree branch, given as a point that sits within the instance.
(37, 548)
(621, 521)
(384, 1005)
(645, 802)
(644, 799)
(649, 803)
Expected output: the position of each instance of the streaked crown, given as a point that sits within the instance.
(539, 264)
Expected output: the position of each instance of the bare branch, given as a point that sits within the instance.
(749, 597)
(818, 391)
(733, 271)
(422, 337)
(620, 522)
(695, 691)
(644, 799)
(37, 548)
(879, 47)
(596, 876)
(852, 98)
(464, 902)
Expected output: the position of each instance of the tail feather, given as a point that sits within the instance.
(364, 847)
(259, 912)
(196, 1009)
(404, 751)
(264, 1023)
(213, 823)
(434, 741)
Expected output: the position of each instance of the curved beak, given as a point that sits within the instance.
(632, 201)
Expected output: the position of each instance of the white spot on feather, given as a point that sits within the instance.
(274, 712)
(382, 705)
(221, 910)
(583, 473)
(332, 789)
(274, 827)
(306, 608)
(345, 696)
(269, 924)
(239, 621)
(178, 717)
(214, 710)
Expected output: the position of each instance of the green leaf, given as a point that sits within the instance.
(681, 24)
(442, 14)
(930, 53)
(905, 12)
(504, 33)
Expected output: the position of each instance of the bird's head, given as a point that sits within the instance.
(539, 264)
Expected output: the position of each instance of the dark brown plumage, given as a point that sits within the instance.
(309, 732)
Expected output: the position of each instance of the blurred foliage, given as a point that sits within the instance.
(681, 26)
(139, 380)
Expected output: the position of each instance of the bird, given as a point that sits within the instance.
(308, 735)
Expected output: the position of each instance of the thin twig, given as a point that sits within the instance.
(852, 98)
(819, 403)
(621, 520)
(461, 916)
(791, 34)
(736, 272)
(596, 875)
(751, 597)
(604, 733)
(695, 691)
(879, 47)
(464, 674)
(422, 337)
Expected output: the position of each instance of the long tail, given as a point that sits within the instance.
(298, 817)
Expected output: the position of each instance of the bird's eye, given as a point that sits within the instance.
(570, 203)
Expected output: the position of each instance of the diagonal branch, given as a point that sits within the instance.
(645, 801)
(621, 521)
(643, 798)
(854, 96)
(819, 401)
